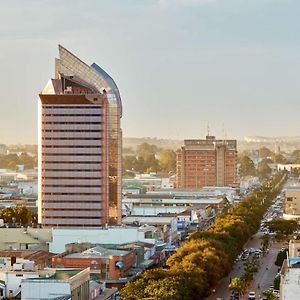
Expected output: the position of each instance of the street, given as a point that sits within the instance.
(264, 277)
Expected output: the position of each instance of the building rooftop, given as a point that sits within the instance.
(97, 252)
(33, 255)
(290, 284)
(148, 220)
(57, 274)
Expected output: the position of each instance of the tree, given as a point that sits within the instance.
(278, 158)
(145, 150)
(263, 169)
(237, 286)
(265, 239)
(283, 226)
(276, 282)
(265, 152)
(167, 160)
(246, 166)
(269, 295)
(281, 256)
(18, 214)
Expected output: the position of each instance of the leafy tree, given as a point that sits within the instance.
(265, 240)
(279, 159)
(276, 282)
(18, 214)
(167, 160)
(281, 256)
(263, 169)
(247, 166)
(11, 161)
(237, 285)
(269, 295)
(265, 152)
(145, 150)
(283, 226)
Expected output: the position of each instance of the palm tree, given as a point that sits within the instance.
(237, 286)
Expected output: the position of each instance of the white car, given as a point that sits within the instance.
(251, 296)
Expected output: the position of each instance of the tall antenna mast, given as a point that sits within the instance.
(208, 128)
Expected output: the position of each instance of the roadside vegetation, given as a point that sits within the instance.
(18, 215)
(199, 264)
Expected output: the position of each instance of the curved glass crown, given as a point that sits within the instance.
(70, 65)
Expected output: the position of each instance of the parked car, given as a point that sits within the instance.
(252, 296)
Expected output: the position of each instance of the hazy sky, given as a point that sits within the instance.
(178, 63)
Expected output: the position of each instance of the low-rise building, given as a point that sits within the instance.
(105, 264)
(294, 248)
(58, 284)
(289, 282)
(158, 203)
(110, 235)
(292, 203)
(41, 259)
(166, 226)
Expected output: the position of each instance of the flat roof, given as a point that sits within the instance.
(148, 219)
(97, 252)
(58, 274)
(290, 284)
(28, 254)
(191, 201)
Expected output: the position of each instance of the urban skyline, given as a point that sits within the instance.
(215, 55)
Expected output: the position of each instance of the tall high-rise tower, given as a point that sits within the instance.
(79, 146)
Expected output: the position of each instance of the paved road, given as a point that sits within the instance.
(264, 277)
(267, 272)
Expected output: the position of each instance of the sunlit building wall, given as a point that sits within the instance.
(79, 146)
(208, 162)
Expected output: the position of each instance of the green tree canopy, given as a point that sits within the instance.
(19, 214)
(145, 150)
(263, 169)
(265, 152)
(167, 160)
(237, 286)
(283, 226)
(246, 166)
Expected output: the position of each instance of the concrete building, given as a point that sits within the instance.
(289, 282)
(79, 146)
(166, 226)
(58, 284)
(175, 201)
(105, 264)
(41, 259)
(111, 235)
(294, 248)
(25, 238)
(292, 203)
(208, 162)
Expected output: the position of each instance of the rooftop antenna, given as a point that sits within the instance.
(208, 128)
(223, 133)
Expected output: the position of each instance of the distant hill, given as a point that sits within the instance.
(132, 142)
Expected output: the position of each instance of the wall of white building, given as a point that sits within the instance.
(117, 235)
(44, 289)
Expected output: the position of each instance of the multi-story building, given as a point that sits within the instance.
(292, 203)
(208, 162)
(79, 146)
